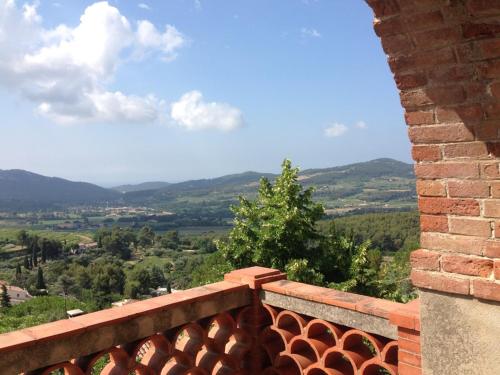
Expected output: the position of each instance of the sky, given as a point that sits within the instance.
(170, 90)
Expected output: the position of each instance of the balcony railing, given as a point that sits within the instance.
(254, 322)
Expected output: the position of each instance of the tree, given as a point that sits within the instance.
(116, 243)
(40, 281)
(19, 273)
(26, 263)
(22, 238)
(277, 227)
(146, 236)
(5, 300)
(157, 277)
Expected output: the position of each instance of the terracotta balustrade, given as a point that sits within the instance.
(254, 322)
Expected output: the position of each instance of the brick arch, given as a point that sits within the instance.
(445, 57)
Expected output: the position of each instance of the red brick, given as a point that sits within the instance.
(489, 130)
(383, 8)
(480, 29)
(425, 260)
(419, 117)
(415, 99)
(496, 269)
(409, 358)
(489, 48)
(440, 281)
(399, 43)
(420, 21)
(495, 189)
(447, 170)
(470, 150)
(406, 369)
(486, 289)
(465, 265)
(444, 95)
(497, 228)
(492, 249)
(468, 189)
(490, 170)
(465, 113)
(446, 74)
(410, 80)
(483, 7)
(490, 69)
(422, 59)
(492, 208)
(453, 243)
(432, 223)
(471, 227)
(390, 26)
(409, 346)
(431, 188)
(440, 133)
(444, 206)
(438, 37)
(426, 153)
(409, 334)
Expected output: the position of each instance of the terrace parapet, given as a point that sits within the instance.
(254, 322)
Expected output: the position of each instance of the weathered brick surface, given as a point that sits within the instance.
(445, 56)
(425, 260)
(467, 265)
(433, 223)
(471, 227)
(431, 188)
(440, 281)
(443, 206)
(468, 189)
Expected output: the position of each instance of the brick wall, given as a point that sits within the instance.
(445, 56)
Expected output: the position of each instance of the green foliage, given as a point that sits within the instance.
(146, 236)
(5, 299)
(386, 231)
(275, 228)
(40, 281)
(36, 311)
(211, 270)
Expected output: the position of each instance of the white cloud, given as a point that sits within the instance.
(307, 32)
(144, 6)
(361, 125)
(197, 5)
(336, 130)
(193, 113)
(65, 70)
(150, 39)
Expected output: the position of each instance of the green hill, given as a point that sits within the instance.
(374, 185)
(22, 190)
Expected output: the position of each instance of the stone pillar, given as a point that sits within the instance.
(445, 56)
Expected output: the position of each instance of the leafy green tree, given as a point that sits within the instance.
(146, 236)
(40, 281)
(22, 238)
(277, 227)
(5, 300)
(116, 243)
(157, 277)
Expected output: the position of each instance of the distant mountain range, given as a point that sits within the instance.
(377, 182)
(22, 190)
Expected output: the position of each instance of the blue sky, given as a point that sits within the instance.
(130, 91)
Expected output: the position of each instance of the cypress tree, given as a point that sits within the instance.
(40, 282)
(34, 256)
(18, 272)
(26, 262)
(5, 300)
